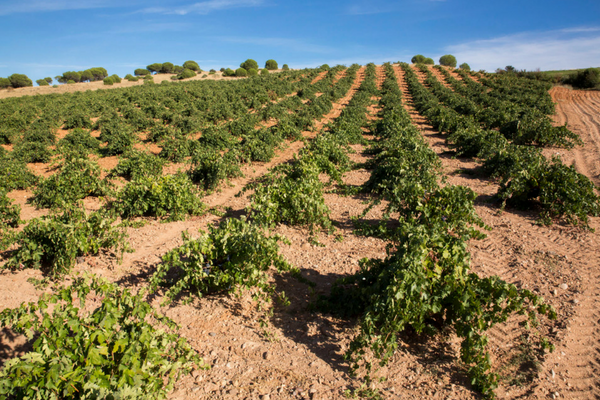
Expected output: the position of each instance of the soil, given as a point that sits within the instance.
(299, 354)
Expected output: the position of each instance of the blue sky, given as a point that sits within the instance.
(47, 37)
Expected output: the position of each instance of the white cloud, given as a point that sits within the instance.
(289, 44)
(204, 7)
(55, 5)
(550, 50)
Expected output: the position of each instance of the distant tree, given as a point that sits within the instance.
(115, 78)
(264, 71)
(448, 60)
(177, 69)
(418, 59)
(429, 61)
(4, 83)
(586, 79)
(212, 71)
(271, 65)
(465, 66)
(186, 73)
(42, 82)
(87, 76)
(108, 81)
(285, 67)
(324, 67)
(249, 64)
(154, 68)
(19, 80)
(228, 72)
(167, 68)
(141, 72)
(99, 73)
(71, 82)
(49, 80)
(510, 69)
(131, 78)
(252, 72)
(193, 65)
(222, 69)
(241, 72)
(72, 76)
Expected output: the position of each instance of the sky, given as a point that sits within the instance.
(48, 37)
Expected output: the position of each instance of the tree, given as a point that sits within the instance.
(465, 66)
(19, 80)
(4, 83)
(193, 65)
(99, 73)
(49, 80)
(131, 78)
(252, 72)
(167, 68)
(241, 72)
(271, 65)
(42, 82)
(264, 71)
(228, 72)
(87, 76)
(186, 73)
(428, 61)
(156, 67)
(448, 60)
(108, 81)
(115, 78)
(249, 64)
(285, 67)
(71, 76)
(418, 59)
(177, 69)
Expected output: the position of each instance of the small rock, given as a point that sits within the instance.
(575, 301)
(564, 286)
(267, 355)
(212, 334)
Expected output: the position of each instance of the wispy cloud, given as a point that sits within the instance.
(13, 7)
(203, 7)
(153, 27)
(290, 44)
(550, 50)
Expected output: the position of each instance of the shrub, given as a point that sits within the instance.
(222, 70)
(71, 82)
(136, 164)
(429, 61)
(193, 65)
(71, 76)
(235, 254)
(131, 78)
(249, 64)
(33, 152)
(271, 65)
(586, 79)
(77, 179)
(212, 71)
(116, 78)
(241, 72)
(52, 243)
(42, 82)
(167, 68)
(229, 72)
(119, 347)
(172, 196)
(79, 141)
(77, 119)
(465, 66)
(20, 80)
(209, 168)
(264, 71)
(324, 67)
(177, 69)
(14, 174)
(118, 136)
(156, 67)
(10, 214)
(448, 60)
(48, 79)
(87, 76)
(108, 81)
(99, 73)
(285, 67)
(252, 72)
(418, 59)
(185, 74)
(4, 83)
(141, 72)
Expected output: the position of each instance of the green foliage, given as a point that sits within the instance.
(14, 173)
(241, 72)
(234, 255)
(465, 66)
(136, 164)
(228, 72)
(19, 80)
(209, 168)
(78, 178)
(77, 119)
(109, 81)
(586, 79)
(171, 196)
(4, 83)
(131, 78)
(264, 71)
(141, 72)
(249, 64)
(193, 65)
(418, 59)
(79, 141)
(42, 82)
(32, 152)
(48, 79)
(185, 74)
(448, 60)
(252, 72)
(52, 243)
(167, 68)
(115, 78)
(118, 136)
(428, 61)
(71, 82)
(10, 214)
(271, 65)
(285, 67)
(156, 67)
(118, 347)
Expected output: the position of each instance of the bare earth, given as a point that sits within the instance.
(299, 354)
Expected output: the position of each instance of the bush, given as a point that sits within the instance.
(185, 74)
(236, 253)
(141, 72)
(48, 79)
(99, 73)
(324, 67)
(10, 214)
(228, 72)
(71, 76)
(4, 83)
(14, 174)
(212, 71)
(156, 67)
(167, 68)
(174, 196)
(222, 70)
(77, 119)
(131, 78)
(42, 82)
(271, 65)
(209, 168)
(52, 243)
(193, 65)
(79, 141)
(20, 80)
(448, 60)
(77, 179)
(586, 79)
(252, 72)
(177, 69)
(429, 61)
(71, 82)
(465, 66)
(86, 76)
(249, 64)
(116, 78)
(241, 72)
(418, 59)
(285, 67)
(118, 136)
(264, 71)
(136, 164)
(120, 347)
(33, 152)
(109, 81)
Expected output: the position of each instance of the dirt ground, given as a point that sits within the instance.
(299, 354)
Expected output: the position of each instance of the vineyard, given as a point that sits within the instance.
(393, 231)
